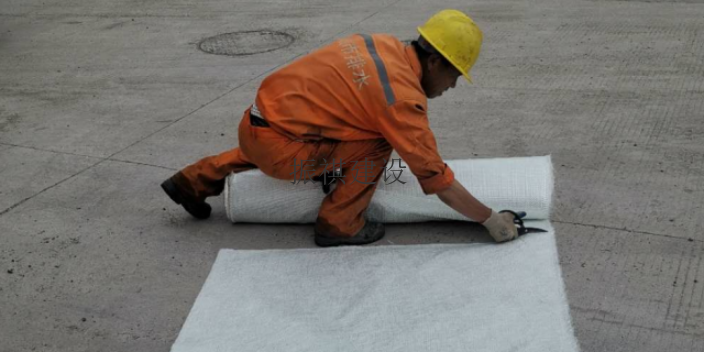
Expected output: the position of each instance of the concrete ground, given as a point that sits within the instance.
(100, 101)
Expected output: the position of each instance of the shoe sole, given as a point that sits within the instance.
(334, 242)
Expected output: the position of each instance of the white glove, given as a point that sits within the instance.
(501, 226)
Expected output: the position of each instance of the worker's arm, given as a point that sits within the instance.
(406, 128)
(457, 197)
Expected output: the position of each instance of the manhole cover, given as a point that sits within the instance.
(245, 43)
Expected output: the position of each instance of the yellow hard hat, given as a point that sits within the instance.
(456, 37)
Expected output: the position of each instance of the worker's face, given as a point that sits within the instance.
(439, 77)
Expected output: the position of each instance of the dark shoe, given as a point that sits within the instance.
(199, 210)
(371, 232)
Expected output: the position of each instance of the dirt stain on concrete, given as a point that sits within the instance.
(8, 120)
(114, 25)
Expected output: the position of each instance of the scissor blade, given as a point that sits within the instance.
(525, 230)
(534, 229)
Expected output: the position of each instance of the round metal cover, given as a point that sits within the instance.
(245, 43)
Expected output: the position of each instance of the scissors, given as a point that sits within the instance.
(517, 219)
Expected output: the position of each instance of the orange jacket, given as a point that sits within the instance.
(359, 87)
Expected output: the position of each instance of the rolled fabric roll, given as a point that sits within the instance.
(520, 184)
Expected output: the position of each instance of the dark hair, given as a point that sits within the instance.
(424, 51)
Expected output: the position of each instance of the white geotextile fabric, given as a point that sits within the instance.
(479, 297)
(434, 297)
(521, 184)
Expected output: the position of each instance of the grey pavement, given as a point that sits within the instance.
(100, 101)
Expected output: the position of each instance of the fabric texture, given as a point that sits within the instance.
(417, 298)
(519, 184)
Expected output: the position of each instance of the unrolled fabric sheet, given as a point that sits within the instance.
(417, 298)
(521, 184)
(420, 298)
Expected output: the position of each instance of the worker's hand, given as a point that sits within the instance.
(501, 226)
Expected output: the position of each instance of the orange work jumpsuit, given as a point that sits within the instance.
(346, 105)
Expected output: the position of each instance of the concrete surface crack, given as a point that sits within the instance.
(144, 164)
(629, 231)
(49, 150)
(47, 188)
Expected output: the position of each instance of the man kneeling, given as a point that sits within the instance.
(355, 100)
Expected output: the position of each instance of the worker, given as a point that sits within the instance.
(352, 102)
